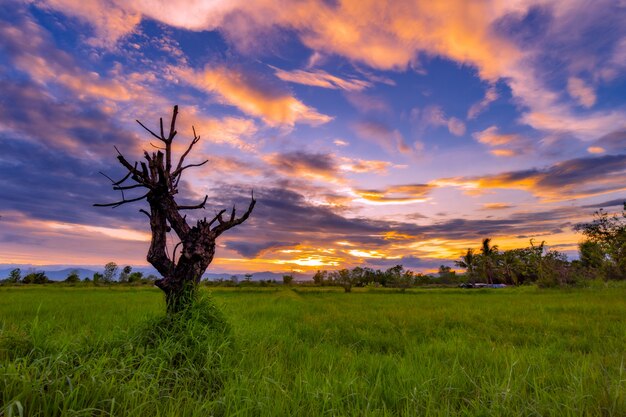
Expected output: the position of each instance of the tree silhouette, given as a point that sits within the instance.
(605, 246)
(468, 261)
(160, 177)
(489, 261)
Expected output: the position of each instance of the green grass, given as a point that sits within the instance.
(304, 352)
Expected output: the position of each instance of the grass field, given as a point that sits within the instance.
(301, 352)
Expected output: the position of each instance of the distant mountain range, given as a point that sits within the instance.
(60, 272)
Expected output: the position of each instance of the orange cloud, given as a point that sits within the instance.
(398, 194)
(319, 78)
(382, 35)
(36, 55)
(574, 178)
(234, 131)
(360, 166)
(122, 244)
(596, 149)
(503, 144)
(235, 88)
(111, 21)
(496, 206)
(504, 152)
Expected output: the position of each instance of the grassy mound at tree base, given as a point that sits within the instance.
(170, 365)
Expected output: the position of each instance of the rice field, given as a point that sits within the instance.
(87, 351)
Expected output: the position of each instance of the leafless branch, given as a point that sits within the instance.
(195, 140)
(173, 124)
(119, 203)
(157, 147)
(128, 187)
(225, 225)
(194, 207)
(149, 131)
(191, 166)
(217, 217)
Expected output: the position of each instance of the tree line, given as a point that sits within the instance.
(109, 275)
(602, 255)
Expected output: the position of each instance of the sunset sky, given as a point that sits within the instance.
(372, 133)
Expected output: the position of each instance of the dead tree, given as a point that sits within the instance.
(159, 177)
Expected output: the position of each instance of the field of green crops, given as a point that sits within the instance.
(306, 352)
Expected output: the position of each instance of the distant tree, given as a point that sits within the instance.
(489, 260)
(510, 266)
(368, 277)
(248, 277)
(110, 272)
(159, 176)
(287, 279)
(125, 273)
(359, 276)
(72, 277)
(97, 278)
(469, 261)
(398, 277)
(134, 277)
(320, 278)
(421, 279)
(344, 278)
(86, 279)
(36, 278)
(554, 270)
(446, 275)
(604, 249)
(15, 276)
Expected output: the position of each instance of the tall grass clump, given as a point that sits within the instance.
(166, 366)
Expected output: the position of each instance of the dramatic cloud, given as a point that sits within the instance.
(575, 178)
(322, 108)
(302, 164)
(491, 36)
(323, 166)
(252, 96)
(33, 52)
(82, 131)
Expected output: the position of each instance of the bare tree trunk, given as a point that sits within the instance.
(158, 175)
